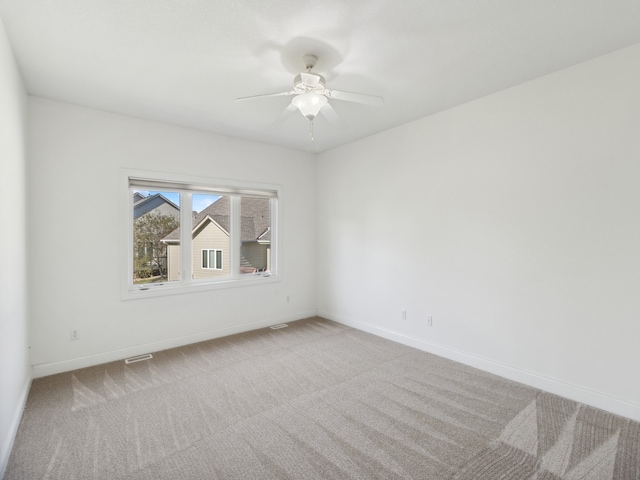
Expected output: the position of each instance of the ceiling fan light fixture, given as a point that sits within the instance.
(309, 104)
(310, 95)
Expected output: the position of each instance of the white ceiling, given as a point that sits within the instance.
(185, 61)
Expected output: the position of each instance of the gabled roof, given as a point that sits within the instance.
(138, 197)
(266, 236)
(255, 222)
(144, 205)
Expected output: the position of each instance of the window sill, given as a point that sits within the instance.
(161, 290)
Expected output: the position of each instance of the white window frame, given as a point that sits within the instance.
(186, 186)
(209, 250)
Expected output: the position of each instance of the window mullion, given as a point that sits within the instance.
(273, 251)
(235, 239)
(186, 263)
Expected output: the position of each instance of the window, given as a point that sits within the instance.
(156, 214)
(186, 234)
(212, 259)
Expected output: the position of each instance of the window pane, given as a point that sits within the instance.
(156, 236)
(255, 250)
(211, 233)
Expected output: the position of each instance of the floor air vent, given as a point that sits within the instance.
(139, 358)
(276, 327)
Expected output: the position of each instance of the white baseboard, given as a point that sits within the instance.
(51, 368)
(8, 441)
(567, 390)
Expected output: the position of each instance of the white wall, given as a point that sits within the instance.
(15, 371)
(514, 220)
(75, 171)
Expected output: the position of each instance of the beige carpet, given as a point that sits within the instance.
(314, 400)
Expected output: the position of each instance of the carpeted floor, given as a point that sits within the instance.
(314, 400)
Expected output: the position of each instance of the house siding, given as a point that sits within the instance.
(173, 262)
(253, 254)
(155, 205)
(168, 210)
(210, 237)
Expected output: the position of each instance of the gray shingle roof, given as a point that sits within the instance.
(255, 221)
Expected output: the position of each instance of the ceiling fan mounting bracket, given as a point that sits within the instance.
(309, 61)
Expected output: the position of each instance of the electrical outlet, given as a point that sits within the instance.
(403, 315)
(430, 321)
(75, 334)
(288, 299)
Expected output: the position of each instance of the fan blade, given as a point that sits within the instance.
(280, 94)
(332, 116)
(285, 115)
(310, 79)
(356, 97)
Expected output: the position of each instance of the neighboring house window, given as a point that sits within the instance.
(190, 234)
(212, 259)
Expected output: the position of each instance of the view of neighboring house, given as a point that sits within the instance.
(210, 244)
(153, 203)
(151, 259)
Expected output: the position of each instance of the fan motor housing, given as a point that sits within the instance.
(301, 87)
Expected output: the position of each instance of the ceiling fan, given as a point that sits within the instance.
(312, 96)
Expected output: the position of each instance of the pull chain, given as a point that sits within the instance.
(311, 130)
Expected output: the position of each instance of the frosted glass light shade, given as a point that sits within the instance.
(309, 104)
